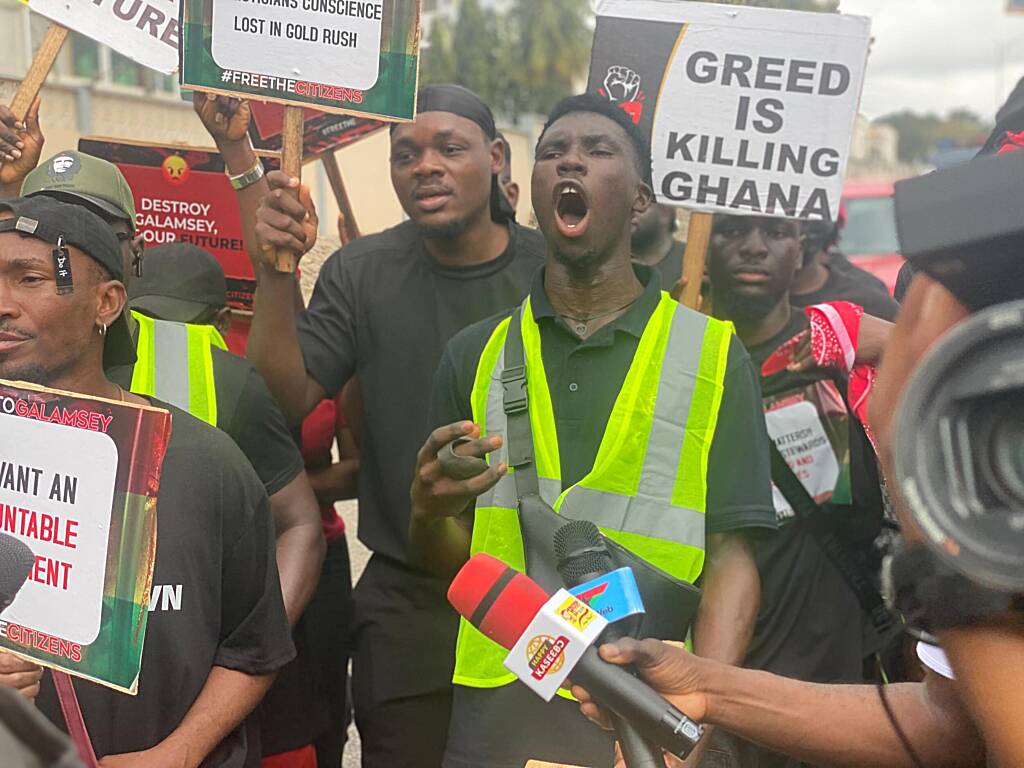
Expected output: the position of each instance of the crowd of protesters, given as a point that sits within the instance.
(690, 424)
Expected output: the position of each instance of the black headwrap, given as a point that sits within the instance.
(463, 102)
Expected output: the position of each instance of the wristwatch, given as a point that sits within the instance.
(932, 596)
(247, 179)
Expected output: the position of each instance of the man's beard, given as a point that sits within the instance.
(745, 310)
(579, 262)
(33, 373)
(449, 230)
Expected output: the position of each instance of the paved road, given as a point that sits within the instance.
(359, 555)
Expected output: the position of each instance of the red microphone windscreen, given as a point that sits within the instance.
(496, 599)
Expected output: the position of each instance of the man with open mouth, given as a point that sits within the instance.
(645, 419)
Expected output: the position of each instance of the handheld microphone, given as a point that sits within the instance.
(582, 557)
(502, 603)
(16, 560)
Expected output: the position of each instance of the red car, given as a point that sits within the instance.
(869, 238)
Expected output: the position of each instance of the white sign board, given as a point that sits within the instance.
(145, 31)
(801, 439)
(335, 42)
(56, 490)
(749, 110)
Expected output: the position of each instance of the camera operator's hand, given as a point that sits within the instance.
(672, 671)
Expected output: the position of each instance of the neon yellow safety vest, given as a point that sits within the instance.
(648, 486)
(175, 363)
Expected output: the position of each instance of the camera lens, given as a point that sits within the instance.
(1007, 451)
(960, 448)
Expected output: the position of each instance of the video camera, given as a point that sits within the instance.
(959, 434)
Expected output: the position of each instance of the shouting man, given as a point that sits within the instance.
(605, 353)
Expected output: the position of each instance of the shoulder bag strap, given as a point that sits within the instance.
(809, 514)
(73, 717)
(519, 439)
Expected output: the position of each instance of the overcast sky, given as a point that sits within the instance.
(936, 55)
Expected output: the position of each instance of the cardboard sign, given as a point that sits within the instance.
(749, 110)
(342, 56)
(811, 429)
(78, 486)
(182, 195)
(322, 132)
(145, 31)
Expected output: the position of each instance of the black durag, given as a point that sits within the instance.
(464, 103)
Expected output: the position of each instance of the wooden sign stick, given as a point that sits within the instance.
(330, 161)
(41, 66)
(697, 239)
(291, 163)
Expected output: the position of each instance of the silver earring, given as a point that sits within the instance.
(103, 329)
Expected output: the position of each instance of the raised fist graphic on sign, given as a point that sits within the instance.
(622, 84)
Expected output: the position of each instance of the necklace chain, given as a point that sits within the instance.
(582, 324)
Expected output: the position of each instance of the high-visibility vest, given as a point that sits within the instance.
(174, 362)
(647, 489)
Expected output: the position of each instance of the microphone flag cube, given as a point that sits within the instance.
(554, 642)
(615, 596)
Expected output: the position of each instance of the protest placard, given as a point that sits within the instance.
(78, 494)
(145, 31)
(182, 195)
(343, 56)
(322, 132)
(749, 110)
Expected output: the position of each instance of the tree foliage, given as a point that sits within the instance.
(521, 61)
(920, 135)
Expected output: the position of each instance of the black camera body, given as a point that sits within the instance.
(959, 448)
(959, 435)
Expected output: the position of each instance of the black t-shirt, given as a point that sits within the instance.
(847, 282)
(384, 309)
(670, 268)
(250, 416)
(584, 378)
(810, 625)
(216, 599)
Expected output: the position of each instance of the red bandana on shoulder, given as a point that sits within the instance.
(835, 328)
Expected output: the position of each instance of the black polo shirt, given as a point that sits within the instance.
(489, 726)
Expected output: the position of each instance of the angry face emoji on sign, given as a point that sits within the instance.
(175, 170)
